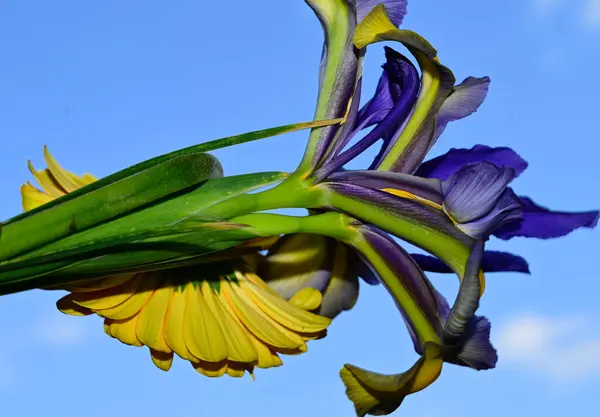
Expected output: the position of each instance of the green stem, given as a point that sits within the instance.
(340, 227)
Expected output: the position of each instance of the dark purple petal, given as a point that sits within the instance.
(539, 222)
(477, 351)
(493, 261)
(467, 300)
(366, 273)
(406, 269)
(446, 165)
(421, 187)
(375, 110)
(396, 9)
(400, 70)
(478, 200)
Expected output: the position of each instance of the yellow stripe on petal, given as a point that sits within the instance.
(411, 196)
(240, 346)
(261, 325)
(124, 330)
(285, 313)
(211, 369)
(32, 198)
(67, 306)
(151, 320)
(162, 360)
(201, 332)
(307, 299)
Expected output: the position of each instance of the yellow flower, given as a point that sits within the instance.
(220, 316)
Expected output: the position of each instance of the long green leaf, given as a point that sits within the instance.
(110, 201)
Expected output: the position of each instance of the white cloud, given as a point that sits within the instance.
(564, 349)
(60, 330)
(591, 13)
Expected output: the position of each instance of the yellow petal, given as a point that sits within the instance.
(104, 299)
(67, 306)
(173, 327)
(261, 325)
(285, 313)
(307, 299)
(201, 332)
(210, 369)
(150, 321)
(62, 176)
(236, 370)
(46, 181)
(138, 299)
(162, 360)
(32, 197)
(240, 346)
(124, 330)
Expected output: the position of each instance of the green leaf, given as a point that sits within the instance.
(170, 230)
(117, 198)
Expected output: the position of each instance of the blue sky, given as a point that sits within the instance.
(107, 84)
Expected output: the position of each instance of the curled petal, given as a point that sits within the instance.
(475, 349)
(379, 394)
(477, 198)
(444, 166)
(467, 300)
(542, 223)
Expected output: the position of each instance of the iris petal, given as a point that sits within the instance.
(444, 166)
(542, 223)
(493, 261)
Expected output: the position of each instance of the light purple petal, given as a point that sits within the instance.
(539, 222)
(446, 165)
(464, 100)
(396, 9)
(477, 351)
(342, 291)
(473, 191)
(493, 261)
